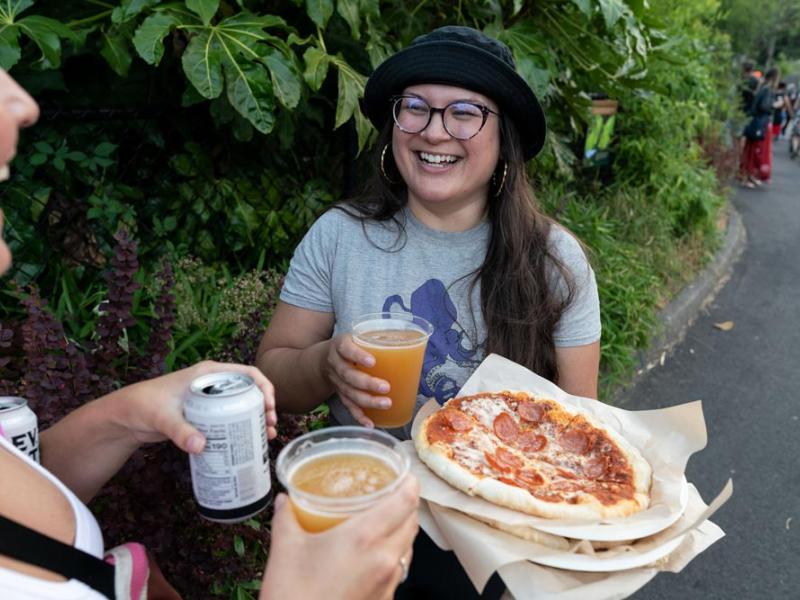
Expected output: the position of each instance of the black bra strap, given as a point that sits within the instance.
(29, 546)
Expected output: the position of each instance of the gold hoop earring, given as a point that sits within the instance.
(383, 168)
(502, 181)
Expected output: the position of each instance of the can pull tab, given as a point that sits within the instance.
(222, 387)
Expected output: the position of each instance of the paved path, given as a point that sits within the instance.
(749, 381)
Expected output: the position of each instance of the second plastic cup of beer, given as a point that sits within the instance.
(332, 474)
(398, 342)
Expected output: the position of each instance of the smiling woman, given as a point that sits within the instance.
(446, 229)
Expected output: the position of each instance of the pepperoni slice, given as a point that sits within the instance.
(509, 458)
(503, 460)
(595, 469)
(494, 463)
(565, 486)
(530, 477)
(530, 411)
(566, 474)
(574, 440)
(505, 427)
(508, 481)
(439, 430)
(457, 420)
(529, 441)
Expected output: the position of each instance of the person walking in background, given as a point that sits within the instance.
(747, 93)
(783, 110)
(755, 166)
(747, 87)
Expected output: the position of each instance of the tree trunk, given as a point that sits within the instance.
(770, 51)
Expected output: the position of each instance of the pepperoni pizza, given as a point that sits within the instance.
(534, 455)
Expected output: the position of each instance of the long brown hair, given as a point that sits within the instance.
(520, 301)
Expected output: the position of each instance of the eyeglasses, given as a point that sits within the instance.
(462, 120)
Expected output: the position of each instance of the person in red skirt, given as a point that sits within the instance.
(755, 166)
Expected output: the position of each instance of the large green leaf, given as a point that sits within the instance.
(9, 46)
(612, 11)
(128, 9)
(250, 92)
(11, 8)
(639, 7)
(351, 88)
(524, 38)
(45, 33)
(202, 63)
(364, 129)
(537, 77)
(349, 11)
(639, 42)
(116, 50)
(585, 6)
(205, 9)
(149, 37)
(370, 8)
(319, 11)
(317, 62)
(286, 82)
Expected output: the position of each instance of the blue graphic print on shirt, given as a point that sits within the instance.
(448, 353)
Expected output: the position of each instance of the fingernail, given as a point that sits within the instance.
(383, 388)
(196, 443)
(280, 500)
(386, 404)
(369, 361)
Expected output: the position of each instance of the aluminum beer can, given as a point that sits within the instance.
(19, 426)
(230, 479)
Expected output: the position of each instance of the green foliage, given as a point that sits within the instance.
(763, 30)
(214, 306)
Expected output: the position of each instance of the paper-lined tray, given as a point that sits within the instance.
(666, 438)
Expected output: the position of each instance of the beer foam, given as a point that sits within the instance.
(343, 474)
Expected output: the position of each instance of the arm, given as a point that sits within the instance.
(578, 369)
(87, 447)
(307, 366)
(291, 354)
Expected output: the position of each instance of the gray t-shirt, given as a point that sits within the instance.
(349, 269)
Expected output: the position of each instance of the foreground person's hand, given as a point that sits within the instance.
(355, 389)
(359, 559)
(152, 410)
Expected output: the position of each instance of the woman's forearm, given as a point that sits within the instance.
(297, 374)
(88, 446)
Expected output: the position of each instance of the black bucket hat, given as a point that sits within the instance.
(466, 58)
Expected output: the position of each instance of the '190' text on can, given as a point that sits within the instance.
(230, 479)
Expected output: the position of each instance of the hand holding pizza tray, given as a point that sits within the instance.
(624, 552)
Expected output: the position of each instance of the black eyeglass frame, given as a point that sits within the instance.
(485, 111)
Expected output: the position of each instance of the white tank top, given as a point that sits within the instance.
(87, 538)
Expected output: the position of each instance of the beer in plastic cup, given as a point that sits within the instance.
(332, 474)
(398, 342)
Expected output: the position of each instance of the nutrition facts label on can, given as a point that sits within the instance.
(241, 438)
(229, 471)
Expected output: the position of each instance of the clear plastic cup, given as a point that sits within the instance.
(398, 342)
(318, 512)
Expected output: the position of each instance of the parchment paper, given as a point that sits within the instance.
(482, 550)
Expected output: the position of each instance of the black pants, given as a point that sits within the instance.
(437, 575)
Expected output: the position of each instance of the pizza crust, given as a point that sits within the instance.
(586, 507)
(528, 533)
